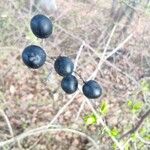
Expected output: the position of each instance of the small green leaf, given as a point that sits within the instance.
(104, 107)
(115, 132)
(134, 105)
(137, 106)
(142, 131)
(130, 103)
(147, 137)
(90, 119)
(145, 85)
(114, 146)
(127, 147)
(133, 137)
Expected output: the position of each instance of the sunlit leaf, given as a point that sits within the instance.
(133, 137)
(130, 103)
(127, 147)
(104, 108)
(137, 106)
(90, 119)
(115, 132)
(142, 131)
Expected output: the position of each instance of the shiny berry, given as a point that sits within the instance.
(63, 66)
(92, 89)
(41, 26)
(69, 84)
(34, 56)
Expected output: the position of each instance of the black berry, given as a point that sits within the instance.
(41, 26)
(69, 84)
(92, 89)
(34, 56)
(63, 66)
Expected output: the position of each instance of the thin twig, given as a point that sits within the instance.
(36, 142)
(63, 108)
(137, 126)
(132, 7)
(100, 63)
(57, 115)
(78, 55)
(93, 50)
(76, 73)
(80, 110)
(8, 122)
(10, 127)
(127, 142)
(35, 131)
(104, 52)
(100, 120)
(122, 72)
(142, 140)
(57, 129)
(110, 54)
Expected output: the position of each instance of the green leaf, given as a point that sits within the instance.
(137, 106)
(115, 132)
(127, 147)
(142, 131)
(133, 137)
(147, 137)
(145, 85)
(90, 119)
(130, 103)
(104, 108)
(114, 146)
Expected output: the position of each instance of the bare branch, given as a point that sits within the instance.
(8, 122)
(57, 129)
(104, 52)
(80, 110)
(137, 126)
(78, 55)
(142, 140)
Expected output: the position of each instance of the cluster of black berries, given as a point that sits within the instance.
(34, 57)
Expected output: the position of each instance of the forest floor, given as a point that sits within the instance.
(31, 98)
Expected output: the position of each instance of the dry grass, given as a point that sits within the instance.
(37, 114)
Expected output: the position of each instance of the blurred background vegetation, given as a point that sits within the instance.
(30, 99)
